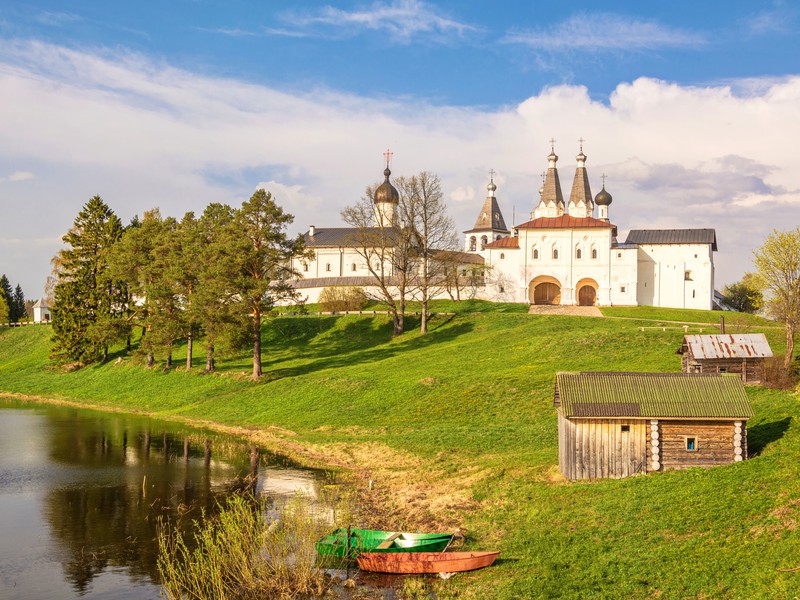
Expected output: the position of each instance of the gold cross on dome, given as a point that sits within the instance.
(388, 156)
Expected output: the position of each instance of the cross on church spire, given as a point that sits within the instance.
(580, 141)
(603, 176)
(552, 144)
(491, 174)
(388, 156)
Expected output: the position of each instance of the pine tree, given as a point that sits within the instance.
(3, 310)
(264, 252)
(88, 302)
(18, 305)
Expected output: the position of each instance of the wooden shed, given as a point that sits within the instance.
(613, 425)
(742, 353)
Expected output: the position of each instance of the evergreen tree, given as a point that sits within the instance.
(264, 254)
(88, 301)
(17, 306)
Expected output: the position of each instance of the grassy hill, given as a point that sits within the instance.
(458, 427)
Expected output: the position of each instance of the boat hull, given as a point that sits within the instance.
(370, 540)
(425, 562)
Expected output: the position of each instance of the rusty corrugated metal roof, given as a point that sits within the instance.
(726, 345)
(655, 395)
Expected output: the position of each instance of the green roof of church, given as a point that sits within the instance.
(652, 395)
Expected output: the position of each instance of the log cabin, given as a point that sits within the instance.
(742, 353)
(613, 425)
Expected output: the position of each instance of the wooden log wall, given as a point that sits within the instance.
(751, 369)
(600, 448)
(714, 443)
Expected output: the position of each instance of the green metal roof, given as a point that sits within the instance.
(652, 395)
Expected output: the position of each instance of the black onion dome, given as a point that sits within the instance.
(603, 198)
(386, 192)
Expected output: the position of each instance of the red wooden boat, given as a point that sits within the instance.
(425, 562)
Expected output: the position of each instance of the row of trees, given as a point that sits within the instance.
(12, 302)
(209, 278)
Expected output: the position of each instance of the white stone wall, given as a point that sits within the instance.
(676, 275)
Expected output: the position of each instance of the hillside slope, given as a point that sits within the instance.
(458, 428)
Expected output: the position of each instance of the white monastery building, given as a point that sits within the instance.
(566, 254)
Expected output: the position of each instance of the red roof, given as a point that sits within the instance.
(505, 242)
(565, 222)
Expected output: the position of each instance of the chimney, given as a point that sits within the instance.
(311, 230)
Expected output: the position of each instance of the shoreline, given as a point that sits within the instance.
(376, 502)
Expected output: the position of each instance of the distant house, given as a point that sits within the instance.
(613, 425)
(41, 312)
(742, 353)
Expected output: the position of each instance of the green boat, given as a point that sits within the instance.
(340, 544)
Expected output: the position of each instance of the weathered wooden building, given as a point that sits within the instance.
(742, 353)
(613, 425)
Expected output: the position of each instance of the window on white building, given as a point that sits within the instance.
(484, 240)
(594, 253)
(305, 267)
(555, 253)
(328, 266)
(473, 243)
(502, 256)
(535, 254)
(353, 267)
(578, 253)
(622, 289)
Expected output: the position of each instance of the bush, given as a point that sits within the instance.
(342, 298)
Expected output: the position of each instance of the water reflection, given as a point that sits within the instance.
(99, 483)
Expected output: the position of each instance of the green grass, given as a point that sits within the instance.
(474, 397)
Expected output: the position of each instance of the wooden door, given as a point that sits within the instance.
(547, 293)
(587, 296)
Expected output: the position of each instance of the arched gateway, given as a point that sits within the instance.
(544, 290)
(587, 292)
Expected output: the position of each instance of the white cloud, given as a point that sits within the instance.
(596, 32)
(144, 134)
(20, 176)
(402, 19)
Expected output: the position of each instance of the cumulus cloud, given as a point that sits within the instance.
(403, 20)
(596, 32)
(143, 134)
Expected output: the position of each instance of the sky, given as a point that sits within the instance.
(690, 109)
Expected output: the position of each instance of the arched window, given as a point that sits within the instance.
(594, 253)
(328, 266)
(687, 275)
(472, 243)
(555, 253)
(578, 253)
(305, 267)
(353, 267)
(497, 237)
(484, 240)
(535, 254)
(502, 256)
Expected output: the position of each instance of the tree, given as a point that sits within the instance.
(264, 257)
(423, 211)
(87, 304)
(7, 294)
(17, 307)
(3, 310)
(745, 295)
(777, 264)
(386, 247)
(142, 261)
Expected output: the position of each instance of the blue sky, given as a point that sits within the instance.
(690, 108)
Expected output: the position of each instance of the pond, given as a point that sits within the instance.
(81, 493)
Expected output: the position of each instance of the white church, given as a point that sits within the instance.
(564, 255)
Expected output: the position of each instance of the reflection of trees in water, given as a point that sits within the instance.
(98, 522)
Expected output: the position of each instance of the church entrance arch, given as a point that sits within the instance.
(544, 290)
(587, 292)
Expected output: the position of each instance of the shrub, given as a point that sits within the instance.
(342, 298)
